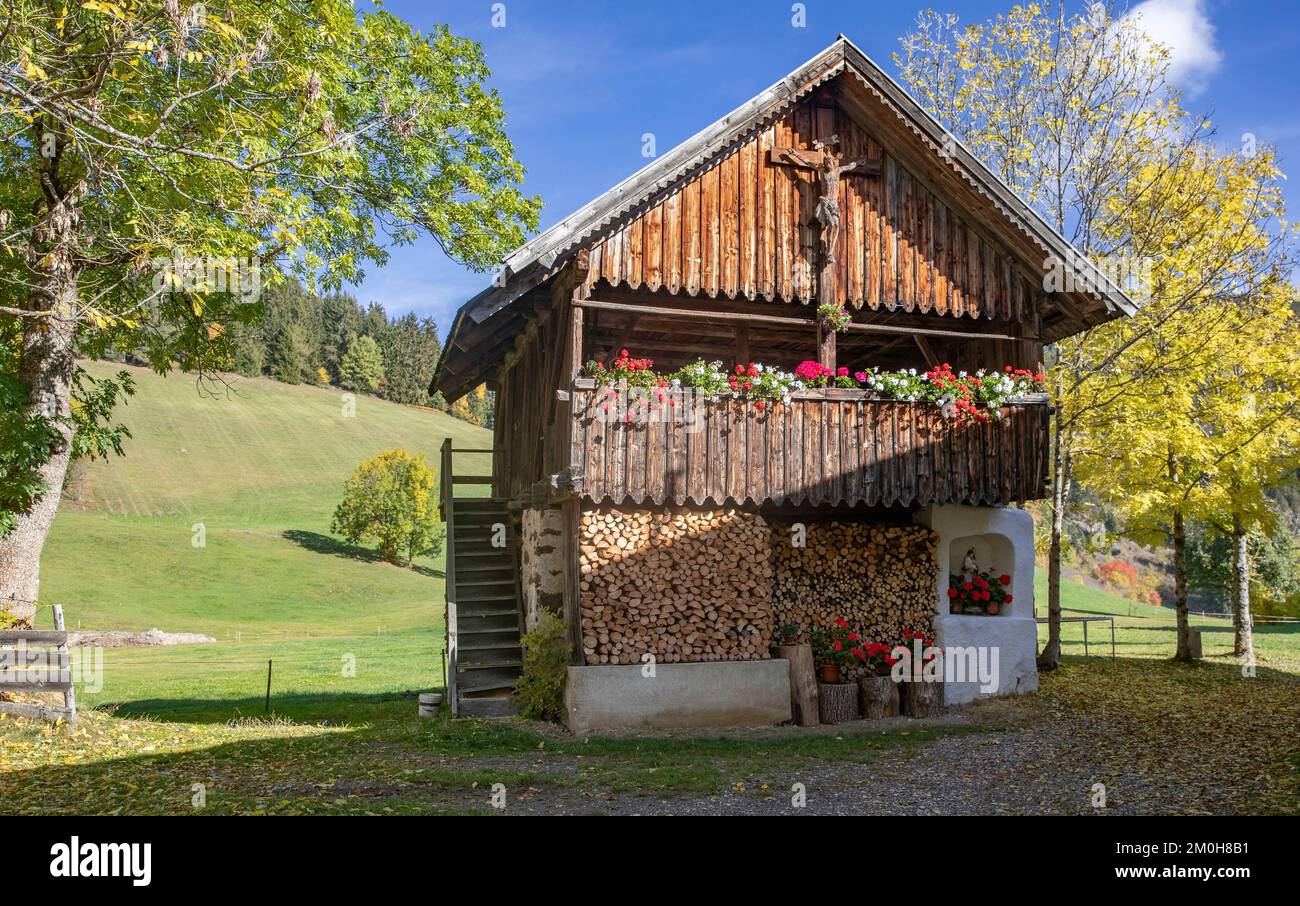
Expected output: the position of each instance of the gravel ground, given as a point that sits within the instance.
(1023, 763)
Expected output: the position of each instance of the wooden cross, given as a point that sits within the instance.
(832, 168)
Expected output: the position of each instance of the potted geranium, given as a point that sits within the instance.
(832, 649)
(981, 593)
(877, 688)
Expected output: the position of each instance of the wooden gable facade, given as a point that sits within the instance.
(721, 250)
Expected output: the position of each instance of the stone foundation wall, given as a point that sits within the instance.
(881, 578)
(684, 585)
(541, 563)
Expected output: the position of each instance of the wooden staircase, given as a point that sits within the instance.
(484, 613)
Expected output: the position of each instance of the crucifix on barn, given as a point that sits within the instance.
(831, 168)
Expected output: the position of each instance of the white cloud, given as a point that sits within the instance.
(1183, 27)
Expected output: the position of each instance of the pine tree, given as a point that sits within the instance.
(286, 356)
(363, 366)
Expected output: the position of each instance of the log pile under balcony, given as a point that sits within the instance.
(880, 578)
(689, 585)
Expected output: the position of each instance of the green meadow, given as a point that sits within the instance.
(217, 522)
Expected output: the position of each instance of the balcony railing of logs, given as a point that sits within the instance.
(824, 448)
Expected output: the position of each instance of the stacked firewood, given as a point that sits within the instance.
(881, 578)
(682, 585)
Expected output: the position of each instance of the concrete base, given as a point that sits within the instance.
(714, 694)
(1012, 640)
(1003, 539)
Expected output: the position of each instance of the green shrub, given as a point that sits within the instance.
(540, 691)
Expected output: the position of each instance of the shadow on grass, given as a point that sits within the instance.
(331, 708)
(379, 766)
(327, 544)
(389, 761)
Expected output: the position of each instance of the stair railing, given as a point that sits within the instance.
(449, 573)
(449, 479)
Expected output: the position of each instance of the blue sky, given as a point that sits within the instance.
(583, 80)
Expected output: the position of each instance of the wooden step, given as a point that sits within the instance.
(479, 505)
(478, 534)
(472, 659)
(498, 621)
(488, 678)
(496, 706)
(478, 639)
(472, 644)
(478, 569)
(486, 603)
(481, 603)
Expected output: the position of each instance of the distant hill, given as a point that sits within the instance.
(260, 466)
(251, 452)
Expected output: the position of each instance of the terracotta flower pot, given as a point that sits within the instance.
(829, 673)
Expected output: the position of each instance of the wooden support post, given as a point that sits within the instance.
(575, 342)
(826, 347)
(69, 695)
(742, 344)
(571, 542)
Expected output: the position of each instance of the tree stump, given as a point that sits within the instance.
(803, 683)
(837, 702)
(921, 699)
(879, 697)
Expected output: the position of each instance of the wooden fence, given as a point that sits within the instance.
(36, 660)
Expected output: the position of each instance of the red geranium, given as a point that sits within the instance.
(983, 593)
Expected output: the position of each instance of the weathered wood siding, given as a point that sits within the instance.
(837, 449)
(742, 227)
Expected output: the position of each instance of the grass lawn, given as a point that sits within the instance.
(1151, 632)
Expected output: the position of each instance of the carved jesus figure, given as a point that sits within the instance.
(970, 566)
(832, 169)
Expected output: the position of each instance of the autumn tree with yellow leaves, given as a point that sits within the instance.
(1075, 113)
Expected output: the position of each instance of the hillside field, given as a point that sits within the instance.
(259, 466)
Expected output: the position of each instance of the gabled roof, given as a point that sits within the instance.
(541, 257)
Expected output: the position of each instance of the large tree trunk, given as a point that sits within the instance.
(1243, 640)
(1050, 657)
(1184, 652)
(46, 366)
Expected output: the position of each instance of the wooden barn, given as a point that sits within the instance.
(832, 250)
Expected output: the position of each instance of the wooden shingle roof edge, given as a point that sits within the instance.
(538, 259)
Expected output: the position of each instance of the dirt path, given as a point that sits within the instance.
(1046, 768)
